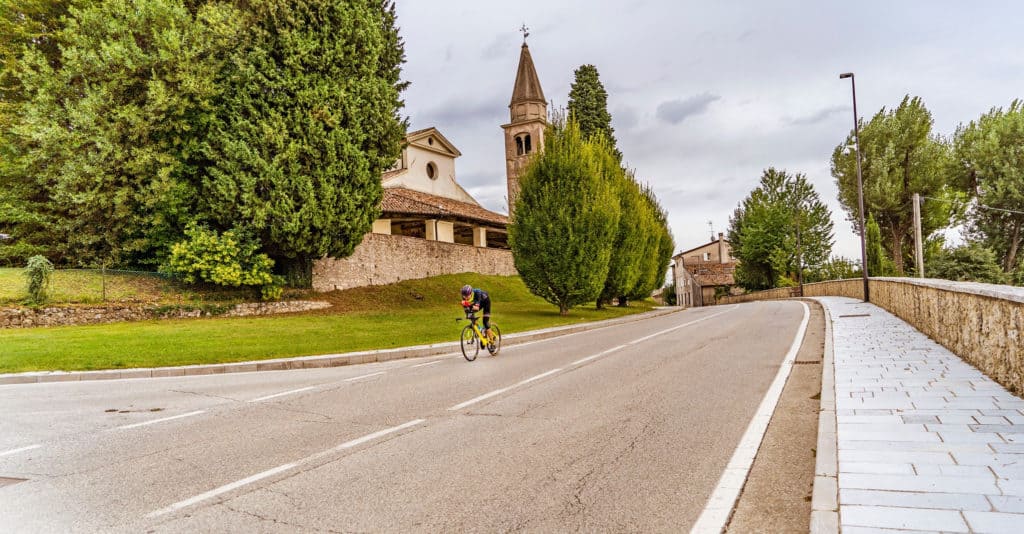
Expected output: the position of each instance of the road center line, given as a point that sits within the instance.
(486, 396)
(280, 469)
(719, 507)
(360, 377)
(425, 364)
(275, 395)
(23, 449)
(154, 421)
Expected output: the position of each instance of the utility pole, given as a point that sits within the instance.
(918, 245)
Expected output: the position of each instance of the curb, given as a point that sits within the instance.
(824, 497)
(314, 362)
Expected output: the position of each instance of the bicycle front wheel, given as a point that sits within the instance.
(470, 345)
(495, 345)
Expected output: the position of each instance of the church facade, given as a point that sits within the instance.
(429, 224)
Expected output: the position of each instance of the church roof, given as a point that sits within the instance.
(527, 87)
(402, 201)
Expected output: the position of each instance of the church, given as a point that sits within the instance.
(429, 224)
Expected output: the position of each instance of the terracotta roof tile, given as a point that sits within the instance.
(402, 201)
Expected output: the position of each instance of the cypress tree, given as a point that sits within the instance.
(566, 218)
(309, 121)
(588, 105)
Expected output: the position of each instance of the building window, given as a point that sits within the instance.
(431, 170)
(707, 256)
(519, 146)
(526, 144)
(430, 141)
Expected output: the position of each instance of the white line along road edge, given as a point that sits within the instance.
(279, 469)
(154, 421)
(719, 506)
(22, 449)
(283, 393)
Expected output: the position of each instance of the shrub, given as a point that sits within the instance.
(38, 271)
(229, 259)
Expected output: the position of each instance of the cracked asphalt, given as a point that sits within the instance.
(633, 440)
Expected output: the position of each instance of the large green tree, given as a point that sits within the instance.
(566, 218)
(308, 121)
(781, 228)
(972, 262)
(900, 156)
(635, 223)
(588, 105)
(990, 155)
(657, 249)
(108, 136)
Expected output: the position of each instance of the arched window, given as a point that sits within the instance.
(519, 145)
(431, 170)
(526, 143)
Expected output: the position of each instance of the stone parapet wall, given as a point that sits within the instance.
(768, 294)
(386, 259)
(81, 315)
(981, 323)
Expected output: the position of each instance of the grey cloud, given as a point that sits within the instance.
(625, 118)
(499, 47)
(459, 112)
(676, 111)
(818, 116)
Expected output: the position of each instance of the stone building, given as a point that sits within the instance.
(704, 270)
(429, 224)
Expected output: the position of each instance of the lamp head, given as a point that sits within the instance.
(846, 75)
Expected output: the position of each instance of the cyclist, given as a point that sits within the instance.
(474, 300)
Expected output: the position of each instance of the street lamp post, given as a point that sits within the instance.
(860, 187)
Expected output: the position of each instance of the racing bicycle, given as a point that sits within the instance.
(473, 338)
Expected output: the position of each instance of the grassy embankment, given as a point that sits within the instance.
(408, 313)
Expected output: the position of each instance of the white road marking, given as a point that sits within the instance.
(486, 396)
(375, 435)
(425, 364)
(154, 421)
(598, 355)
(23, 449)
(223, 489)
(360, 377)
(275, 395)
(719, 506)
(280, 469)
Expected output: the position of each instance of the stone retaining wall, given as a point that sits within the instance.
(79, 315)
(981, 323)
(385, 259)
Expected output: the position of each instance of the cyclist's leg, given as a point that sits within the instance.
(486, 308)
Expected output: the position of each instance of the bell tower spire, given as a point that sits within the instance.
(528, 117)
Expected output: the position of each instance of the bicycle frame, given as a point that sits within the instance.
(484, 342)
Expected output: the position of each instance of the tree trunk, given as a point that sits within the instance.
(897, 249)
(297, 272)
(600, 303)
(623, 301)
(1011, 255)
(563, 309)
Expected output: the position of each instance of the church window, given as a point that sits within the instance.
(430, 141)
(527, 148)
(431, 170)
(519, 145)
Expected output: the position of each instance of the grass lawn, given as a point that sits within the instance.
(414, 312)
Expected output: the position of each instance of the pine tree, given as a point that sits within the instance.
(309, 121)
(588, 105)
(566, 218)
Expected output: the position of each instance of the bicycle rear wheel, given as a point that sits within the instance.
(470, 345)
(495, 345)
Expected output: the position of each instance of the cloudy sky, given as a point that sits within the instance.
(705, 95)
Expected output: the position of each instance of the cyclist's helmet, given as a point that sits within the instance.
(467, 291)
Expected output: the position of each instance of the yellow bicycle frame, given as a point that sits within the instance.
(480, 335)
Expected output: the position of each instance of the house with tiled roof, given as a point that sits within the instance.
(429, 225)
(701, 272)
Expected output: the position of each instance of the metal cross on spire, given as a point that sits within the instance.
(526, 32)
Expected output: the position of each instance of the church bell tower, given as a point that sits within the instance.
(524, 134)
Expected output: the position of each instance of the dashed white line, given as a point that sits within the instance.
(22, 449)
(283, 393)
(360, 377)
(598, 355)
(154, 421)
(223, 489)
(486, 396)
(677, 327)
(375, 435)
(425, 364)
(280, 469)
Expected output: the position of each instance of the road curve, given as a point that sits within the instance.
(627, 427)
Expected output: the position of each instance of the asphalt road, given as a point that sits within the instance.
(625, 428)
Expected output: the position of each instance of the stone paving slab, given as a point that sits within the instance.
(925, 441)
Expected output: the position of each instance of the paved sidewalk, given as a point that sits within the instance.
(926, 442)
